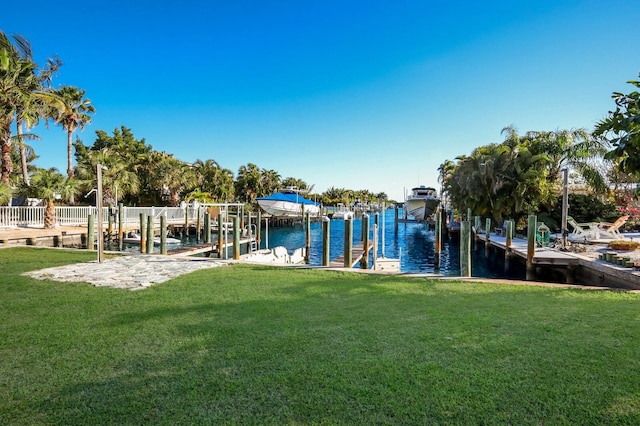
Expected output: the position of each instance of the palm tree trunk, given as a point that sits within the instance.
(23, 154)
(50, 215)
(5, 143)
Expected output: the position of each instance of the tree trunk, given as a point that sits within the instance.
(50, 215)
(5, 143)
(23, 154)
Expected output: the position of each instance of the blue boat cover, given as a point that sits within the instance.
(291, 197)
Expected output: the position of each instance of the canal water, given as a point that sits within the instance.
(412, 243)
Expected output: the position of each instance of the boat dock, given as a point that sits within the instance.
(357, 252)
(205, 248)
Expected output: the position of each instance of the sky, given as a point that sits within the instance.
(348, 94)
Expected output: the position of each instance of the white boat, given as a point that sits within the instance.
(422, 202)
(288, 203)
(342, 212)
(134, 238)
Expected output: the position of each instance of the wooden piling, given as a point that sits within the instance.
(120, 226)
(465, 248)
(90, 232)
(220, 235)
(258, 229)
(198, 225)
(207, 228)
(163, 234)
(236, 237)
(307, 245)
(110, 219)
(150, 234)
(186, 219)
(348, 243)
(531, 246)
(438, 240)
(364, 262)
(143, 233)
(326, 229)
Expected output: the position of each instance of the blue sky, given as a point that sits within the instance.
(351, 94)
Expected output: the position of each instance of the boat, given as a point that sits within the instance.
(422, 202)
(342, 212)
(134, 238)
(288, 203)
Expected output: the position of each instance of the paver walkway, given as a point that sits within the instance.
(126, 272)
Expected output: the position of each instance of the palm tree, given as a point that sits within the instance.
(21, 94)
(49, 185)
(5, 194)
(75, 114)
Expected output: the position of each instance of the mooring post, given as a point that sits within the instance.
(348, 240)
(143, 233)
(110, 220)
(150, 234)
(236, 237)
(364, 263)
(186, 219)
(207, 228)
(438, 242)
(163, 234)
(307, 244)
(198, 225)
(465, 248)
(531, 246)
(487, 236)
(326, 228)
(90, 232)
(120, 225)
(220, 236)
(507, 248)
(395, 224)
(258, 229)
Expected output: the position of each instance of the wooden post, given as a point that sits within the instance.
(198, 225)
(143, 233)
(364, 263)
(326, 230)
(307, 246)
(186, 219)
(487, 230)
(150, 234)
(90, 232)
(531, 245)
(395, 225)
(348, 242)
(469, 214)
(207, 228)
(220, 235)
(163, 234)
(465, 248)
(236, 237)
(110, 219)
(120, 226)
(438, 242)
(258, 229)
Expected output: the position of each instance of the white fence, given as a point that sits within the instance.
(78, 215)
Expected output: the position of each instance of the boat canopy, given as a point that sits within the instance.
(288, 197)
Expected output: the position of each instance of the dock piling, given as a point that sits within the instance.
(531, 245)
(90, 232)
(150, 234)
(348, 242)
(307, 245)
(236, 237)
(326, 227)
(364, 262)
(465, 248)
(438, 242)
(143, 233)
(163, 234)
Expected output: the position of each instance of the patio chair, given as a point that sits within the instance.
(611, 230)
(583, 232)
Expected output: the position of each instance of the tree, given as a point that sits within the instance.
(49, 184)
(21, 94)
(622, 129)
(74, 114)
(5, 194)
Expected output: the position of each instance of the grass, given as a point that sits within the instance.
(257, 345)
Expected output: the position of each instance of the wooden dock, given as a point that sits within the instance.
(542, 255)
(204, 248)
(356, 255)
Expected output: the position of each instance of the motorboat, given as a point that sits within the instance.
(134, 238)
(288, 203)
(422, 202)
(342, 212)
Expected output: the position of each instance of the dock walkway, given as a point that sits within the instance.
(356, 255)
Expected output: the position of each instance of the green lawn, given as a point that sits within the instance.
(256, 345)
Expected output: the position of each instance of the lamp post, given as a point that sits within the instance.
(565, 207)
(99, 169)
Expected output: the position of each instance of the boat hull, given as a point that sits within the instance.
(287, 209)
